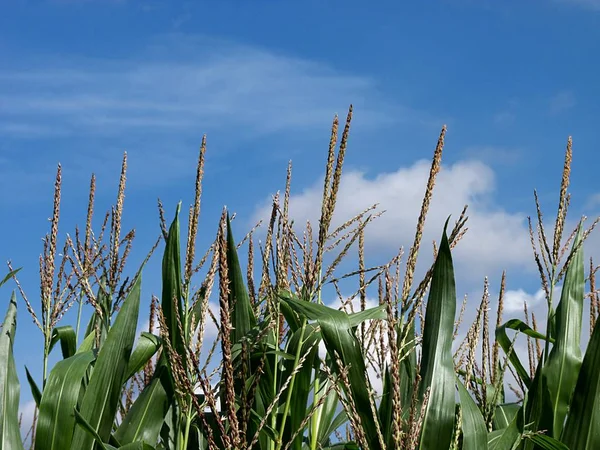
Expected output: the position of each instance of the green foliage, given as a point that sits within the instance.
(272, 389)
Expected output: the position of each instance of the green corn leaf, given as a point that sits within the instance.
(101, 399)
(10, 434)
(302, 380)
(408, 366)
(35, 390)
(474, 431)
(168, 433)
(342, 446)
(562, 367)
(56, 420)
(133, 446)
(242, 313)
(67, 338)
(536, 404)
(147, 346)
(312, 311)
(338, 336)
(172, 288)
(329, 420)
(504, 415)
(507, 438)
(386, 408)
(145, 419)
(90, 431)
(195, 311)
(96, 322)
(87, 344)
(408, 373)
(506, 343)
(290, 315)
(377, 312)
(8, 276)
(437, 365)
(582, 428)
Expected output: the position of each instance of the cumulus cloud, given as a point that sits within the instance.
(496, 238)
(514, 301)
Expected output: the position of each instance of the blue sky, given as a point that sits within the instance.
(83, 81)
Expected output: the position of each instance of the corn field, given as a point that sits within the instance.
(272, 388)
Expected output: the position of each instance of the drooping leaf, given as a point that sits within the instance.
(148, 345)
(68, 341)
(338, 336)
(505, 343)
(10, 434)
(437, 365)
(546, 442)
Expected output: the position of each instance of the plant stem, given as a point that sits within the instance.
(315, 420)
(276, 340)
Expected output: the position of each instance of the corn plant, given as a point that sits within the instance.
(272, 388)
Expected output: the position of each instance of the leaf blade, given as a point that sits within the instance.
(437, 366)
(102, 395)
(10, 435)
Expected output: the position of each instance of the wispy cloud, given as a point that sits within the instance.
(561, 102)
(183, 83)
(590, 4)
(158, 102)
(508, 114)
(504, 118)
(494, 154)
(75, 2)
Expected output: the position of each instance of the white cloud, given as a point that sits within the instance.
(496, 238)
(514, 300)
